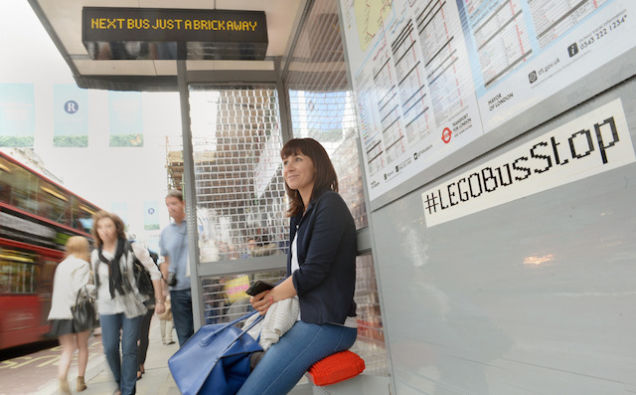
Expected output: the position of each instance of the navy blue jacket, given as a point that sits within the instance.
(326, 247)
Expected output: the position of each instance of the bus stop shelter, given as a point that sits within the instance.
(484, 149)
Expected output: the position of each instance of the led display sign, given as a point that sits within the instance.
(156, 33)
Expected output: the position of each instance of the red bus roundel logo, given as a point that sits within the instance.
(446, 135)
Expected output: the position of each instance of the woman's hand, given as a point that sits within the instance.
(160, 308)
(262, 301)
(265, 299)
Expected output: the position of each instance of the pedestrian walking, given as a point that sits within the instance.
(144, 327)
(173, 244)
(120, 300)
(165, 324)
(71, 276)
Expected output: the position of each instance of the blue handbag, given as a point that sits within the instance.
(215, 360)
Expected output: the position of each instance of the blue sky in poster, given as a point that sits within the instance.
(125, 113)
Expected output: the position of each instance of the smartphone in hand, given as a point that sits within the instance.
(257, 287)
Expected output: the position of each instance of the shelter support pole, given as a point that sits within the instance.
(189, 190)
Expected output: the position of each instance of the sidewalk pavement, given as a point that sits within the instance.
(157, 379)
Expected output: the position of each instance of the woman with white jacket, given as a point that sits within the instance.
(71, 275)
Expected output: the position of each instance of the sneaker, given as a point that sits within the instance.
(169, 343)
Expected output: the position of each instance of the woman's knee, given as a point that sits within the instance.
(82, 339)
(67, 342)
(347, 339)
(111, 349)
(351, 337)
(129, 346)
(110, 344)
(82, 346)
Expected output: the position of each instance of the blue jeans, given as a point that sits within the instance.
(124, 367)
(284, 364)
(181, 302)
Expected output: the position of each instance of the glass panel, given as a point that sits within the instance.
(224, 297)
(5, 185)
(240, 198)
(19, 187)
(54, 203)
(321, 105)
(328, 117)
(82, 215)
(44, 283)
(18, 272)
(321, 102)
(370, 341)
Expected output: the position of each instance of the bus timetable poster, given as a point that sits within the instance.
(430, 76)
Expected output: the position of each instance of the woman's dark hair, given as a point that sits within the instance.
(116, 281)
(119, 226)
(325, 179)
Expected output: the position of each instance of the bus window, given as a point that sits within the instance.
(54, 203)
(45, 272)
(5, 187)
(82, 215)
(44, 278)
(19, 186)
(18, 273)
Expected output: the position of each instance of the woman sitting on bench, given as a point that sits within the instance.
(321, 272)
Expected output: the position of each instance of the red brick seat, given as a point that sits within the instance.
(335, 368)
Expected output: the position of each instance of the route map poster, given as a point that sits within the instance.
(430, 76)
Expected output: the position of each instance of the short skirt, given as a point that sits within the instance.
(61, 327)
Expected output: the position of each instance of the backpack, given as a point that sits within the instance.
(142, 278)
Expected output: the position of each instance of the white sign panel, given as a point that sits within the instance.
(594, 143)
(431, 76)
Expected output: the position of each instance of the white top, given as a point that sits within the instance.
(294, 251)
(350, 321)
(70, 276)
(106, 304)
(280, 317)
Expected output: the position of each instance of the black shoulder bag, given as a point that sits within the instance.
(142, 278)
(84, 314)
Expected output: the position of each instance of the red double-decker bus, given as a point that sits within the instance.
(37, 216)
